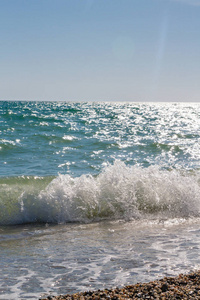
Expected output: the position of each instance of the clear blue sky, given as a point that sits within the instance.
(124, 50)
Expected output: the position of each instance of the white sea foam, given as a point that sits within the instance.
(69, 137)
(119, 192)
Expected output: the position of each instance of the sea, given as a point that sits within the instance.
(96, 195)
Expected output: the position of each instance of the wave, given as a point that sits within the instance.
(118, 192)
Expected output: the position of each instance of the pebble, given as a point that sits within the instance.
(180, 287)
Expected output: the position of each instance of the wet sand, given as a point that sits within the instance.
(180, 287)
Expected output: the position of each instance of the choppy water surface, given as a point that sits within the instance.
(96, 195)
(77, 138)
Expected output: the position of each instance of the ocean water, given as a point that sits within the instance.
(96, 195)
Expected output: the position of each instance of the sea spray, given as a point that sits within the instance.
(118, 192)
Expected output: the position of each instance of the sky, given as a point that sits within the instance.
(100, 50)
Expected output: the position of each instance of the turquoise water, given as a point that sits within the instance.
(45, 138)
(95, 195)
(66, 162)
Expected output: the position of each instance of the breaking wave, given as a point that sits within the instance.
(118, 192)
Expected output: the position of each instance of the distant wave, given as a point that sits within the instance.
(118, 192)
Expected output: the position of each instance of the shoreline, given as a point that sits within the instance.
(179, 287)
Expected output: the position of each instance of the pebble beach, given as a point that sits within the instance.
(180, 287)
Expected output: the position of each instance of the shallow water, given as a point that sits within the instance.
(40, 260)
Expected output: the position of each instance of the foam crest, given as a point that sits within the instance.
(119, 192)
